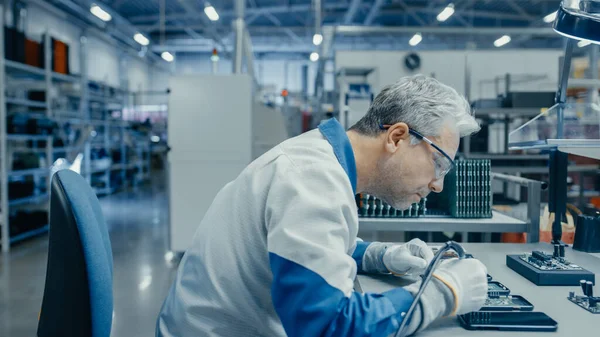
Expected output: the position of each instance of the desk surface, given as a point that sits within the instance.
(572, 320)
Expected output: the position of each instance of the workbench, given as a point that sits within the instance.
(572, 320)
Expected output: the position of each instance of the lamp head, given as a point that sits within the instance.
(579, 20)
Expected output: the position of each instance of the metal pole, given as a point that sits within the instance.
(249, 55)
(317, 4)
(559, 160)
(3, 145)
(84, 108)
(238, 29)
(533, 210)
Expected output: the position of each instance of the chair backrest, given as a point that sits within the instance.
(78, 298)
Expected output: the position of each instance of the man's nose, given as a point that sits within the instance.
(437, 185)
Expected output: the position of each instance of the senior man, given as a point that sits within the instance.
(277, 251)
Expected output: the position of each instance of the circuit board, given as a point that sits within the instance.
(584, 302)
(507, 303)
(543, 261)
(496, 289)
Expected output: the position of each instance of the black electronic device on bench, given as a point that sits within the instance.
(507, 303)
(496, 289)
(507, 321)
(549, 269)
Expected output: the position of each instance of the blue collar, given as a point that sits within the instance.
(337, 138)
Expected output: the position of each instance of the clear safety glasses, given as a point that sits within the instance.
(443, 162)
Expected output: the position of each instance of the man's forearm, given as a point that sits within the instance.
(369, 257)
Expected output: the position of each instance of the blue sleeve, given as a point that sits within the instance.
(359, 253)
(308, 306)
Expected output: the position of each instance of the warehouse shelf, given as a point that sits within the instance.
(99, 100)
(25, 102)
(65, 78)
(29, 234)
(586, 194)
(520, 112)
(584, 83)
(510, 156)
(23, 69)
(543, 169)
(15, 136)
(496, 224)
(36, 199)
(35, 171)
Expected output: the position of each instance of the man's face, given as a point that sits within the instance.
(407, 174)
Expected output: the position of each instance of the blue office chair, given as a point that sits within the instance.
(78, 298)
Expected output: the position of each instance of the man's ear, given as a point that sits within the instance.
(396, 134)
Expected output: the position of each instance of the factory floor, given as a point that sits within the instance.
(138, 225)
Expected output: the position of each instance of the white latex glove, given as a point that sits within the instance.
(411, 258)
(457, 287)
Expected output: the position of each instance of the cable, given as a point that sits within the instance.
(427, 277)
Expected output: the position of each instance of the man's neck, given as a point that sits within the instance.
(366, 151)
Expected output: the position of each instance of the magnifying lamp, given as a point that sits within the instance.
(579, 20)
(576, 20)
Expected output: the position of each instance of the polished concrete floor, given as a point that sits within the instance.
(138, 225)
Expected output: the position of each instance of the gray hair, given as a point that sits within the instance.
(422, 102)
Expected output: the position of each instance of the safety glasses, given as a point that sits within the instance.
(443, 162)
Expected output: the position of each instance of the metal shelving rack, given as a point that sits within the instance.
(498, 223)
(80, 116)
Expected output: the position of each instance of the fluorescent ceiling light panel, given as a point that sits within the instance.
(415, 40)
(211, 12)
(167, 56)
(314, 56)
(550, 17)
(100, 13)
(317, 39)
(446, 13)
(502, 41)
(141, 39)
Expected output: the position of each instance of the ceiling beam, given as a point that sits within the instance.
(358, 30)
(209, 27)
(519, 10)
(373, 12)
(289, 32)
(249, 11)
(351, 12)
(412, 13)
(475, 13)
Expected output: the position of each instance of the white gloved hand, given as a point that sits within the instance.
(411, 258)
(457, 287)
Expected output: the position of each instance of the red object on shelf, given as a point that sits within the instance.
(33, 53)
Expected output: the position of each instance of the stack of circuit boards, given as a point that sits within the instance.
(372, 207)
(467, 194)
(467, 191)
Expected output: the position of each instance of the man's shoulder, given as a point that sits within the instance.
(308, 150)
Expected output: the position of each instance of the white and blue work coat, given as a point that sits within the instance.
(277, 252)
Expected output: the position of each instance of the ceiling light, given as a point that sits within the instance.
(314, 56)
(317, 39)
(167, 56)
(211, 12)
(141, 39)
(446, 13)
(415, 40)
(550, 17)
(100, 13)
(583, 43)
(502, 41)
